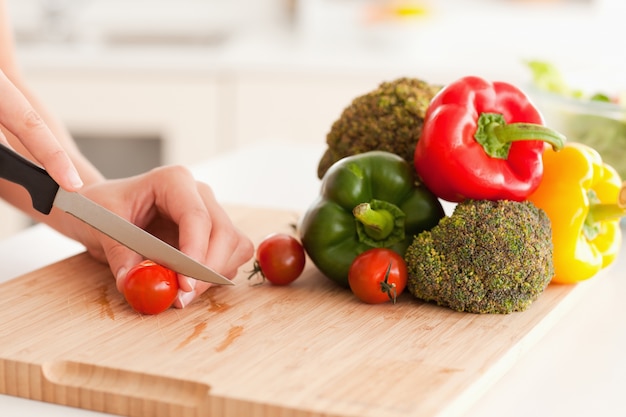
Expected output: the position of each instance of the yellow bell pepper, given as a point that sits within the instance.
(584, 199)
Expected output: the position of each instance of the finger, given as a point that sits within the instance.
(3, 140)
(213, 244)
(242, 253)
(184, 205)
(220, 238)
(119, 257)
(121, 260)
(228, 247)
(20, 118)
(184, 298)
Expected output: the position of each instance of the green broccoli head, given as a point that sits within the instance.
(487, 257)
(388, 118)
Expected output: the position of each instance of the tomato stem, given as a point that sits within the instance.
(389, 289)
(255, 272)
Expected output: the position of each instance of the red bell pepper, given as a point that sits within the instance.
(482, 140)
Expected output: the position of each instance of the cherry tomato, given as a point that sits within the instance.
(150, 288)
(378, 275)
(280, 259)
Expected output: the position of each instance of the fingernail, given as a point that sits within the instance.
(120, 277)
(192, 283)
(74, 178)
(184, 298)
(121, 273)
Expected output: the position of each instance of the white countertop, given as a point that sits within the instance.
(577, 369)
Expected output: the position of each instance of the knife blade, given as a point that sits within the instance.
(46, 193)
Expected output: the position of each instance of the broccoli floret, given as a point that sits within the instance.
(487, 257)
(388, 118)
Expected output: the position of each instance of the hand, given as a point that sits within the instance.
(169, 203)
(22, 120)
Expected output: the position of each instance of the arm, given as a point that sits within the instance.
(167, 201)
(29, 128)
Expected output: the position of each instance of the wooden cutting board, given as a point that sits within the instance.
(310, 349)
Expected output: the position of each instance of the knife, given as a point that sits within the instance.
(46, 193)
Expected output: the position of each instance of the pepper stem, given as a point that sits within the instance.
(599, 212)
(379, 224)
(496, 136)
(608, 211)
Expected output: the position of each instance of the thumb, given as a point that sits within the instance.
(121, 260)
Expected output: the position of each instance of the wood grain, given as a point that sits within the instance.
(311, 349)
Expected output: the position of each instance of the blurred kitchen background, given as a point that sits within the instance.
(147, 82)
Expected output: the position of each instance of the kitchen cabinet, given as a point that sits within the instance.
(179, 109)
(293, 106)
(198, 115)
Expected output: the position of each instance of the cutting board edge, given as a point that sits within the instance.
(91, 386)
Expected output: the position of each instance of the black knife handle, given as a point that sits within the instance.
(41, 187)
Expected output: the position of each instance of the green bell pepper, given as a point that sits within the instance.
(367, 200)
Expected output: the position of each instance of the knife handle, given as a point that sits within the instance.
(19, 170)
